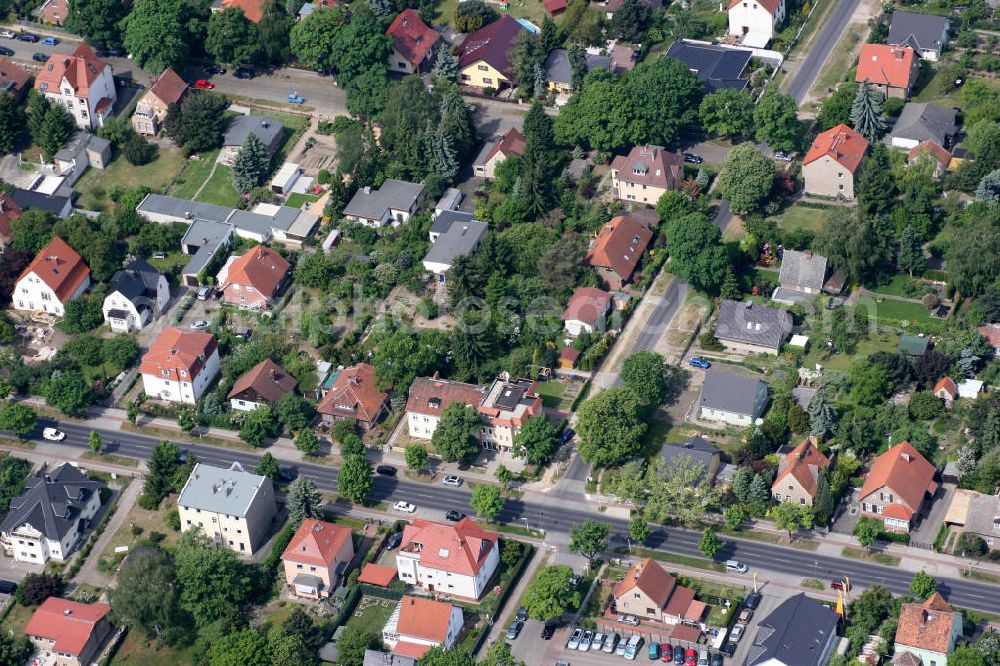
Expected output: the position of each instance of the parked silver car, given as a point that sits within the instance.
(574, 640)
(586, 641)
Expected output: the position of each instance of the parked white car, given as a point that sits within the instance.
(452, 480)
(7, 34)
(405, 507)
(53, 435)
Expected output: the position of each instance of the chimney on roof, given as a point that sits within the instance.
(436, 375)
(748, 305)
(265, 124)
(67, 611)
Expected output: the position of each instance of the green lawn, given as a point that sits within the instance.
(298, 200)
(769, 275)
(194, 175)
(137, 650)
(838, 67)
(173, 259)
(219, 190)
(804, 217)
(896, 287)
(157, 175)
(552, 393)
(901, 311)
(843, 362)
(371, 614)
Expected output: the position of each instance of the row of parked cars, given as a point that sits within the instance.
(586, 640)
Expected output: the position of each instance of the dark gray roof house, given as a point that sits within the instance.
(268, 130)
(731, 398)
(801, 277)
(697, 449)
(453, 234)
(394, 199)
(799, 632)
(925, 33)
(559, 72)
(924, 122)
(59, 203)
(717, 67)
(138, 279)
(751, 327)
(52, 503)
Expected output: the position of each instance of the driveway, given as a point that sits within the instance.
(926, 531)
(16, 571)
(88, 572)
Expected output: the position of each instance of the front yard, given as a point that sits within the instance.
(139, 526)
(371, 614)
(799, 216)
(94, 185)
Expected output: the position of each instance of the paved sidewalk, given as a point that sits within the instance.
(88, 572)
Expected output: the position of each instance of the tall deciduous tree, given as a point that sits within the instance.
(454, 437)
(550, 593)
(213, 581)
(923, 585)
(728, 112)
(536, 440)
(589, 539)
(232, 39)
(307, 442)
(610, 426)
(866, 112)
(911, 253)
(17, 418)
(268, 466)
(146, 596)
(96, 20)
(156, 35)
(696, 252)
(777, 120)
(710, 543)
(486, 501)
(681, 491)
(355, 479)
(645, 373)
(746, 178)
(416, 456)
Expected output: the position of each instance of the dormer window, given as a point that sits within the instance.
(184, 373)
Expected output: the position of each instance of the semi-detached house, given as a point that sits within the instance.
(180, 365)
(457, 559)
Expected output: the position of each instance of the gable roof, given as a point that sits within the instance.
(927, 626)
(922, 122)
(559, 70)
(424, 618)
(13, 77)
(919, 31)
(80, 69)
(169, 87)
(9, 211)
(840, 143)
(59, 267)
(461, 548)
(913, 345)
(729, 391)
(619, 246)
(903, 471)
(491, 44)
(991, 333)
(717, 67)
(176, 350)
(377, 574)
(942, 156)
(770, 5)
(54, 203)
(460, 238)
(261, 268)
(886, 65)
(316, 542)
(229, 490)
(651, 579)
(135, 280)
(794, 633)
(803, 463)
(412, 38)
(511, 144)
(697, 449)
(753, 324)
(587, 304)
(802, 269)
(51, 502)
(431, 395)
(948, 385)
(267, 379)
(650, 165)
(373, 204)
(68, 623)
(354, 394)
(252, 9)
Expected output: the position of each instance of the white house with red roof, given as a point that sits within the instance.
(180, 365)
(418, 624)
(68, 633)
(413, 42)
(586, 310)
(832, 163)
(755, 21)
(253, 281)
(54, 277)
(355, 396)
(317, 557)
(457, 559)
(81, 83)
(651, 593)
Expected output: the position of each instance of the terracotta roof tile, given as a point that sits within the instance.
(15, 74)
(651, 578)
(619, 246)
(931, 148)
(70, 623)
(587, 304)
(376, 574)
(9, 211)
(431, 396)
(803, 463)
(175, 351)
(252, 9)
(511, 144)
(354, 395)
(169, 87)
(650, 165)
(890, 66)
(424, 618)
(840, 143)
(770, 5)
(948, 385)
(316, 542)
(927, 626)
(412, 38)
(461, 548)
(992, 334)
(905, 472)
(60, 267)
(81, 68)
(553, 7)
(261, 268)
(267, 379)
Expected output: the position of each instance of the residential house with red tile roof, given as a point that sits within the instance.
(54, 277)
(180, 365)
(52, 12)
(484, 55)
(755, 21)
(261, 385)
(928, 630)
(617, 250)
(355, 396)
(896, 487)
(891, 69)
(317, 558)
(427, 397)
(413, 43)
(649, 592)
(81, 83)
(13, 79)
(511, 144)
(800, 474)
(9, 211)
(454, 559)
(252, 9)
(68, 633)
(555, 7)
(253, 281)
(586, 310)
(832, 163)
(418, 624)
(646, 174)
(933, 151)
(166, 89)
(991, 333)
(947, 390)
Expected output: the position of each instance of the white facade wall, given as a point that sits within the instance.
(398, 63)
(182, 391)
(245, 405)
(116, 301)
(83, 109)
(723, 416)
(32, 294)
(421, 426)
(575, 327)
(750, 16)
(900, 142)
(27, 544)
(242, 534)
(413, 572)
(455, 623)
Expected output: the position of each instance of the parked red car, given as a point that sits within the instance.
(666, 653)
(691, 657)
(202, 84)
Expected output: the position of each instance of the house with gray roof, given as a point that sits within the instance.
(924, 33)
(48, 520)
(799, 632)
(728, 397)
(752, 328)
(559, 71)
(924, 122)
(718, 67)
(976, 513)
(698, 450)
(137, 294)
(801, 277)
(81, 151)
(453, 234)
(234, 508)
(271, 133)
(392, 203)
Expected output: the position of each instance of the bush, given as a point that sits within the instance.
(893, 106)
(148, 502)
(970, 544)
(323, 177)
(138, 151)
(709, 342)
(172, 519)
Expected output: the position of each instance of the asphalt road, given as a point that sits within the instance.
(759, 556)
(821, 48)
